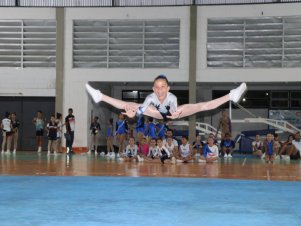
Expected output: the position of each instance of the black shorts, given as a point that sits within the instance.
(39, 133)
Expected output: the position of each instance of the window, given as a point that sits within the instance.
(252, 98)
(140, 95)
(296, 99)
(27, 43)
(279, 99)
(126, 43)
(266, 42)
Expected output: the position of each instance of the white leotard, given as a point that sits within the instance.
(168, 106)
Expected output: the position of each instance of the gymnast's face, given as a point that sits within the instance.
(161, 88)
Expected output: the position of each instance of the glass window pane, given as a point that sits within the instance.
(279, 103)
(279, 94)
(295, 94)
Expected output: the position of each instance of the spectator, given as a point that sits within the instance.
(130, 150)
(161, 129)
(52, 135)
(59, 132)
(164, 154)
(70, 127)
(170, 147)
(39, 123)
(169, 134)
(185, 151)
(110, 137)
(197, 145)
(95, 129)
(224, 124)
(6, 127)
(278, 145)
(15, 129)
(210, 152)
(143, 149)
(270, 148)
(257, 146)
(153, 152)
(294, 151)
(285, 150)
(151, 129)
(140, 128)
(227, 146)
(121, 133)
(213, 137)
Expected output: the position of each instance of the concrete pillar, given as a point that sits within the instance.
(60, 27)
(192, 68)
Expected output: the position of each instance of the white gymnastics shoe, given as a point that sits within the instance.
(94, 93)
(236, 94)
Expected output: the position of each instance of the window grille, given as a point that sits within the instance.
(269, 42)
(126, 43)
(27, 43)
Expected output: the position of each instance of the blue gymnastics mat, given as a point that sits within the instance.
(85, 201)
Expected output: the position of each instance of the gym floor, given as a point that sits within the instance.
(37, 189)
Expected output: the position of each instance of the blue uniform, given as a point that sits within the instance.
(140, 126)
(161, 130)
(121, 127)
(152, 130)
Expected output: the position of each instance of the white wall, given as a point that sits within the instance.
(27, 81)
(205, 74)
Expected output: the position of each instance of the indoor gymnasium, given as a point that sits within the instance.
(150, 112)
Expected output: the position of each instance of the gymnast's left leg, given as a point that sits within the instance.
(190, 109)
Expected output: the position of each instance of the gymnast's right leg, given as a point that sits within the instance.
(97, 96)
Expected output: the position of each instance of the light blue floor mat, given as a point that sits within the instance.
(85, 201)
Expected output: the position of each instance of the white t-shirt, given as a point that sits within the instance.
(297, 144)
(153, 152)
(213, 151)
(162, 149)
(6, 123)
(169, 105)
(174, 141)
(256, 145)
(131, 150)
(170, 148)
(185, 150)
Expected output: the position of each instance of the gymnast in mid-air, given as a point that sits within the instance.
(161, 104)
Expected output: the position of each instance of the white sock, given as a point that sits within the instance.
(94, 93)
(236, 94)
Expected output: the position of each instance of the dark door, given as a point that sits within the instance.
(26, 108)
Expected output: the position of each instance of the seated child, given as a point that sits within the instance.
(227, 146)
(130, 150)
(257, 146)
(164, 154)
(185, 154)
(210, 152)
(153, 152)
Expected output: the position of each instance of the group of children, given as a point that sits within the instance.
(163, 150)
(272, 148)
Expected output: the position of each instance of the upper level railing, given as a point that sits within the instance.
(126, 3)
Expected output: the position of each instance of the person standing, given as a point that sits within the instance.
(15, 129)
(59, 132)
(224, 124)
(110, 138)
(121, 133)
(39, 123)
(6, 127)
(95, 129)
(70, 126)
(52, 135)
